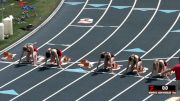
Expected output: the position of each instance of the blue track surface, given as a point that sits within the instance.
(149, 28)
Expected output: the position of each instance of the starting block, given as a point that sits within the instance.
(85, 21)
(7, 56)
(65, 60)
(85, 63)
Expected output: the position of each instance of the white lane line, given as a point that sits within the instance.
(41, 47)
(92, 50)
(30, 34)
(117, 53)
(118, 61)
(151, 59)
(76, 61)
(136, 82)
(136, 76)
(125, 60)
(63, 51)
(55, 35)
(144, 55)
(35, 30)
(90, 28)
(121, 51)
(165, 84)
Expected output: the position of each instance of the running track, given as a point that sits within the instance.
(118, 25)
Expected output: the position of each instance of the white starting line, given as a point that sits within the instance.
(151, 59)
(121, 74)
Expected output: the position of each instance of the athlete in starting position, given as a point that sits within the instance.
(159, 66)
(54, 55)
(109, 61)
(134, 64)
(31, 53)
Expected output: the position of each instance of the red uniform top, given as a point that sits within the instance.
(59, 52)
(35, 49)
(176, 68)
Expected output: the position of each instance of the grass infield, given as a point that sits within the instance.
(41, 10)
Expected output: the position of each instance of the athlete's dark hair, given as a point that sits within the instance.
(102, 56)
(24, 48)
(48, 54)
